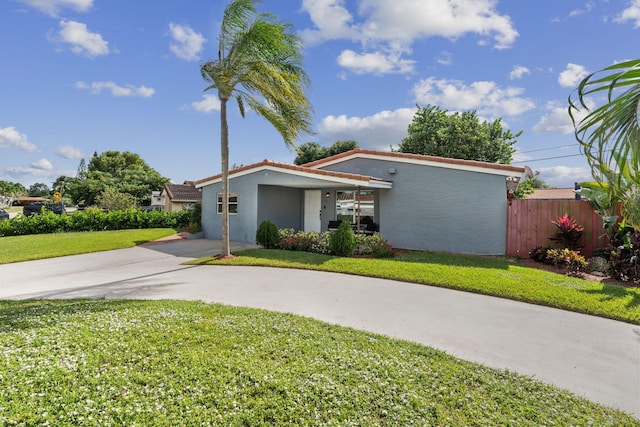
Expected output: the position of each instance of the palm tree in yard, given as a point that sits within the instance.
(260, 65)
(609, 133)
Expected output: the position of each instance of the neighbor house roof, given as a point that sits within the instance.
(182, 193)
(329, 177)
(469, 165)
(553, 193)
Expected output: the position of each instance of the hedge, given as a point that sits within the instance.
(94, 220)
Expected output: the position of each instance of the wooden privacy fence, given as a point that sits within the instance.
(529, 225)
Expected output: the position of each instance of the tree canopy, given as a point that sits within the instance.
(312, 151)
(123, 172)
(436, 132)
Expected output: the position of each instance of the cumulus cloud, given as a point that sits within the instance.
(376, 63)
(11, 138)
(572, 75)
(208, 104)
(53, 7)
(116, 90)
(42, 164)
(486, 97)
(69, 152)
(565, 176)
(557, 118)
(408, 20)
(82, 41)
(518, 72)
(376, 132)
(187, 44)
(387, 28)
(632, 13)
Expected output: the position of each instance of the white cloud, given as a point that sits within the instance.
(632, 13)
(82, 41)
(52, 7)
(387, 28)
(445, 58)
(116, 90)
(42, 164)
(564, 176)
(377, 132)
(518, 72)
(332, 19)
(407, 20)
(572, 75)
(486, 97)
(69, 152)
(208, 104)
(376, 63)
(187, 44)
(558, 120)
(10, 137)
(587, 8)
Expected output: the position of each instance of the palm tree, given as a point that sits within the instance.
(260, 64)
(609, 134)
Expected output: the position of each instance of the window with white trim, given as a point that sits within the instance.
(233, 203)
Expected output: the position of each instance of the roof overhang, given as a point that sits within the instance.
(439, 162)
(324, 179)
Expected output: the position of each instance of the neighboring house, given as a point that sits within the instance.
(157, 200)
(177, 197)
(416, 202)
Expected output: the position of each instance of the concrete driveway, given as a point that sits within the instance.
(592, 357)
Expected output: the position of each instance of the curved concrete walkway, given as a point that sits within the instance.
(592, 357)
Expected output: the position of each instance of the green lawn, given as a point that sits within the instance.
(176, 363)
(39, 246)
(497, 276)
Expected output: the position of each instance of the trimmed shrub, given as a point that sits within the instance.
(342, 241)
(267, 235)
(93, 220)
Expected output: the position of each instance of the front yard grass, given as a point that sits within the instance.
(39, 246)
(177, 363)
(498, 276)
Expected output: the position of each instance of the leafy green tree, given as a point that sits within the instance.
(39, 189)
(113, 200)
(9, 191)
(528, 186)
(609, 134)
(312, 151)
(260, 64)
(436, 132)
(125, 172)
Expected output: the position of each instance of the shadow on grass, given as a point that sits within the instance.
(25, 314)
(612, 292)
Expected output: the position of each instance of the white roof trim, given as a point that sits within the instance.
(372, 183)
(455, 166)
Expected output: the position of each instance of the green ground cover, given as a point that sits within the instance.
(170, 363)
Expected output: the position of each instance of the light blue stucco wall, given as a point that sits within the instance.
(262, 195)
(438, 209)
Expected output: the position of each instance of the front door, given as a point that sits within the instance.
(312, 207)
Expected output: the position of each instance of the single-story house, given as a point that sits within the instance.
(177, 197)
(416, 202)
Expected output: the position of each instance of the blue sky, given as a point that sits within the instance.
(80, 76)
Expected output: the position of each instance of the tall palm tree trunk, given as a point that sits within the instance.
(224, 154)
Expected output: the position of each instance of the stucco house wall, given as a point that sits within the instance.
(261, 195)
(435, 208)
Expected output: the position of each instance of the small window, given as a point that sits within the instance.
(233, 203)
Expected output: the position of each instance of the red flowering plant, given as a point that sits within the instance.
(569, 232)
